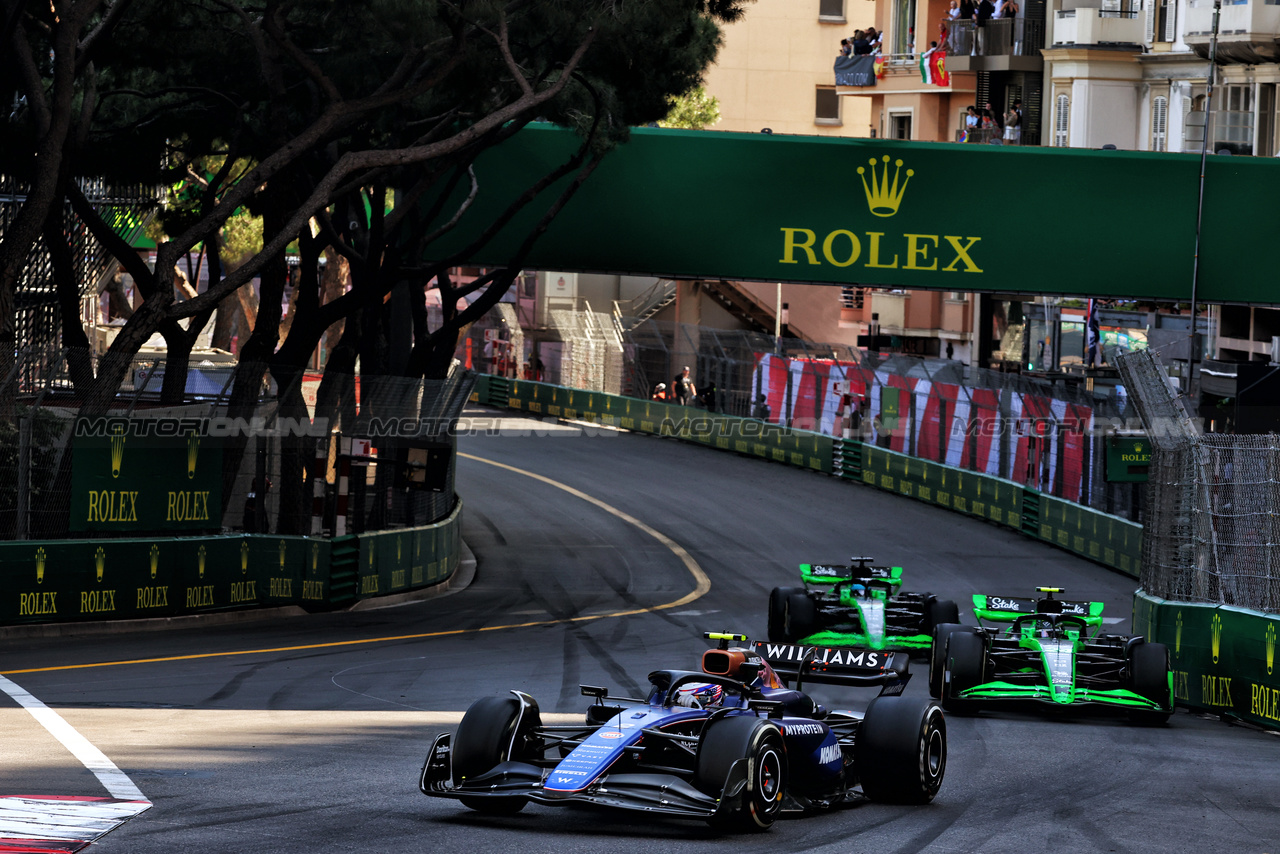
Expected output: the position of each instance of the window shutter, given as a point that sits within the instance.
(1151, 19)
(1062, 113)
(1159, 123)
(1170, 21)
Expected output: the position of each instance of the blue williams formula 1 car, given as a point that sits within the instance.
(858, 605)
(730, 743)
(1050, 653)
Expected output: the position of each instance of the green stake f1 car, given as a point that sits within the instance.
(1050, 653)
(856, 605)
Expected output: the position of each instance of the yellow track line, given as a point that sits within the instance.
(703, 585)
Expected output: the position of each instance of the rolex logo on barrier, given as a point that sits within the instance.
(883, 195)
(201, 554)
(399, 549)
(193, 452)
(155, 559)
(1216, 629)
(315, 556)
(282, 548)
(100, 561)
(244, 557)
(1271, 647)
(117, 448)
(40, 559)
(1177, 637)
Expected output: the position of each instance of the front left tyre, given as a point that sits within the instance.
(760, 743)
(901, 750)
(1149, 677)
(778, 613)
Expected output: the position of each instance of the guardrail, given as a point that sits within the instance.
(1105, 539)
(63, 581)
(1223, 658)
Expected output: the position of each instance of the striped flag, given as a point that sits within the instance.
(926, 73)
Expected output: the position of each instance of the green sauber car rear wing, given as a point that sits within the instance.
(830, 573)
(1006, 609)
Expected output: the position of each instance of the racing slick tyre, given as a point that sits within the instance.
(901, 750)
(1149, 676)
(759, 742)
(967, 663)
(778, 613)
(938, 655)
(801, 619)
(939, 611)
(486, 737)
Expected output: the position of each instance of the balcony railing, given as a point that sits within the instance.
(1098, 26)
(997, 37)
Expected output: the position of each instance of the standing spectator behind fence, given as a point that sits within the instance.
(659, 392)
(708, 397)
(683, 387)
(761, 409)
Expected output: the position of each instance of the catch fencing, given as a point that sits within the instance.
(1048, 436)
(328, 454)
(1211, 534)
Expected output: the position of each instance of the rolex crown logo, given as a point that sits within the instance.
(244, 556)
(155, 560)
(201, 554)
(282, 547)
(315, 556)
(193, 452)
(884, 195)
(1216, 629)
(117, 448)
(100, 561)
(40, 558)
(399, 548)
(1271, 647)
(1137, 448)
(1177, 636)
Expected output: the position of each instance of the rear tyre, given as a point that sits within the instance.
(1149, 675)
(938, 655)
(939, 611)
(901, 751)
(760, 743)
(778, 613)
(486, 738)
(967, 662)
(801, 617)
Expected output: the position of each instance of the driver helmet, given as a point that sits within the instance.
(699, 694)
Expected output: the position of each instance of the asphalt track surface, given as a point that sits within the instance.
(307, 733)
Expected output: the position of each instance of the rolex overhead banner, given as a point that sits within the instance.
(155, 475)
(918, 215)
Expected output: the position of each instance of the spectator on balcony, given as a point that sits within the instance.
(953, 14)
(1010, 9)
(861, 47)
(845, 47)
(1013, 125)
(981, 15)
(873, 40)
(972, 121)
(998, 9)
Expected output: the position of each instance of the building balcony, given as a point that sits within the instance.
(1002, 44)
(1246, 31)
(1098, 26)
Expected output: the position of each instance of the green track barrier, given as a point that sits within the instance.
(397, 561)
(1223, 658)
(64, 581)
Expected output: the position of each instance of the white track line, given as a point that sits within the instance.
(116, 782)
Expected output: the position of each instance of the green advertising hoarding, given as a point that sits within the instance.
(145, 475)
(707, 204)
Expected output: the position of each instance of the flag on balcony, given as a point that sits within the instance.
(881, 62)
(1093, 349)
(938, 68)
(926, 72)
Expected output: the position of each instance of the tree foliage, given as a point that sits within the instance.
(694, 109)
